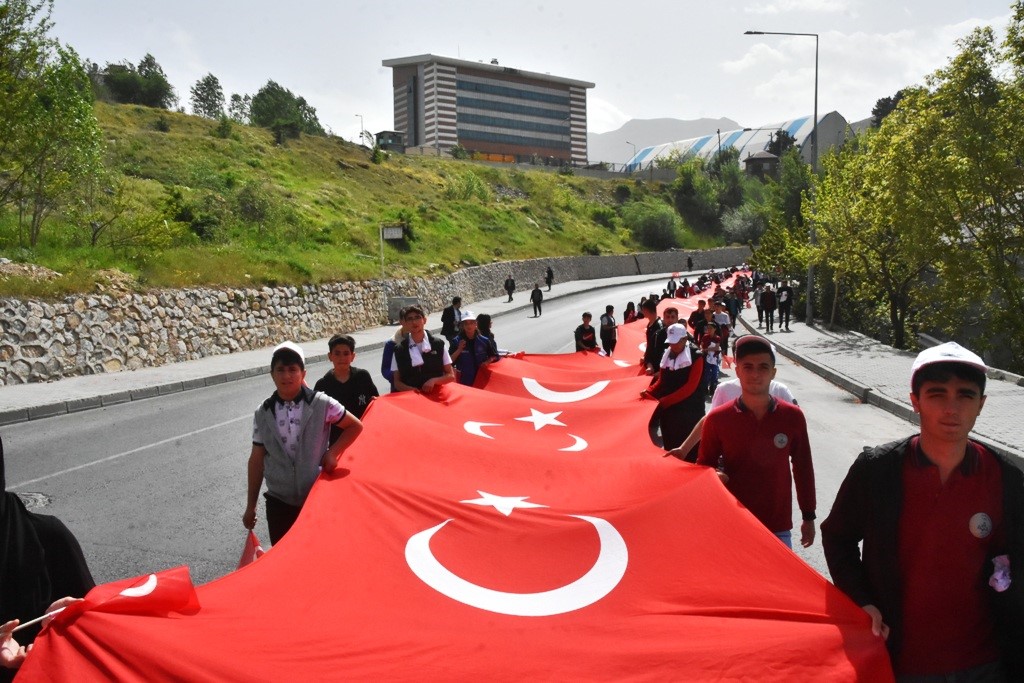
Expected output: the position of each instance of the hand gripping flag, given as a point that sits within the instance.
(251, 551)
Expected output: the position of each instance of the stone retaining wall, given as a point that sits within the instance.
(89, 334)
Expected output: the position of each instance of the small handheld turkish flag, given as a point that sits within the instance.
(251, 551)
(153, 595)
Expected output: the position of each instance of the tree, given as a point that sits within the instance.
(870, 229)
(208, 97)
(744, 225)
(785, 245)
(64, 147)
(885, 106)
(971, 181)
(239, 107)
(781, 143)
(24, 47)
(156, 91)
(696, 196)
(50, 139)
(277, 108)
(146, 84)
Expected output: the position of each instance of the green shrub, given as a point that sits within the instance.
(223, 128)
(653, 225)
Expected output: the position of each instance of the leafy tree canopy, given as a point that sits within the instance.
(885, 106)
(208, 97)
(145, 84)
(278, 108)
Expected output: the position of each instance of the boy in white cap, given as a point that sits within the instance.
(470, 350)
(678, 387)
(290, 436)
(941, 518)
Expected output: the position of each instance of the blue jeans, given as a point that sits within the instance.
(786, 537)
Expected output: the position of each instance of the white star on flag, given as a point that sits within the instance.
(503, 504)
(540, 419)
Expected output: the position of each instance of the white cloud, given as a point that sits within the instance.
(782, 6)
(758, 55)
(603, 116)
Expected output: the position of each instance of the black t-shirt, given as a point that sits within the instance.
(355, 394)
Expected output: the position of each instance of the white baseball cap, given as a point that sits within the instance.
(676, 333)
(468, 316)
(950, 352)
(293, 347)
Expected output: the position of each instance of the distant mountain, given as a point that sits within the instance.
(613, 148)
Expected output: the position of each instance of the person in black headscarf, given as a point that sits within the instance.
(40, 561)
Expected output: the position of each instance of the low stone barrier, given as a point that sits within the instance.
(90, 334)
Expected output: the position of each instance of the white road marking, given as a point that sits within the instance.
(126, 453)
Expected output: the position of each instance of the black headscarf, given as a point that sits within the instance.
(40, 561)
(24, 581)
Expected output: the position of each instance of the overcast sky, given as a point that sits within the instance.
(648, 58)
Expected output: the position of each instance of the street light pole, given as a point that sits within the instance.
(362, 130)
(634, 149)
(814, 154)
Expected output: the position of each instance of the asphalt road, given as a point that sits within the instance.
(160, 482)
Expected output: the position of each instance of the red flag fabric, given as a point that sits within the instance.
(251, 550)
(156, 594)
(503, 535)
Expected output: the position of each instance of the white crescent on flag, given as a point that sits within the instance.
(598, 582)
(139, 591)
(538, 390)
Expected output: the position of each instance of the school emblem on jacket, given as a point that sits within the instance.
(781, 440)
(980, 525)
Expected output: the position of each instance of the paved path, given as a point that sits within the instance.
(880, 375)
(875, 373)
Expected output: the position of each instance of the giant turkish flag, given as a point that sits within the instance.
(523, 530)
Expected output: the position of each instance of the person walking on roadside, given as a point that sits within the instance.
(758, 291)
(769, 302)
(549, 277)
(785, 296)
(927, 535)
(536, 297)
(510, 286)
(609, 330)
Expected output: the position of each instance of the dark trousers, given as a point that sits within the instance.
(760, 315)
(784, 312)
(509, 294)
(536, 309)
(608, 344)
(280, 517)
(769, 318)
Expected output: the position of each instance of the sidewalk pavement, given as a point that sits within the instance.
(875, 373)
(879, 374)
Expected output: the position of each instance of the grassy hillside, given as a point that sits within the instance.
(192, 208)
